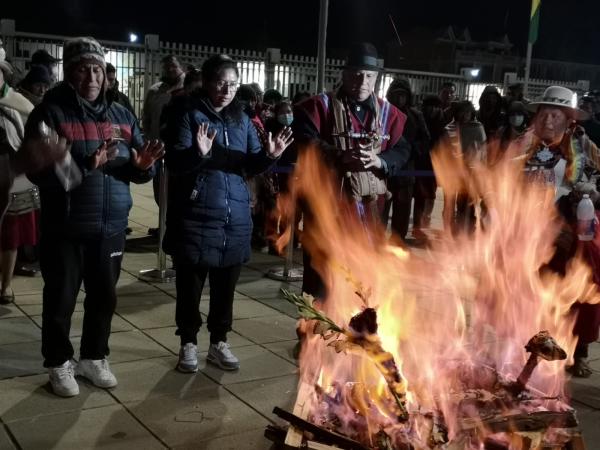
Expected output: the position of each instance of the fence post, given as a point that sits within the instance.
(152, 46)
(583, 85)
(7, 35)
(509, 78)
(272, 58)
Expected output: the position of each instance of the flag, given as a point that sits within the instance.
(534, 21)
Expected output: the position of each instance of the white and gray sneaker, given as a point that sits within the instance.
(188, 358)
(62, 380)
(220, 355)
(97, 371)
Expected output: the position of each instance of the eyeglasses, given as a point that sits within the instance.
(222, 84)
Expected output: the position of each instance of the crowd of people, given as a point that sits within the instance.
(69, 151)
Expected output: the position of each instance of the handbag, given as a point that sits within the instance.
(24, 202)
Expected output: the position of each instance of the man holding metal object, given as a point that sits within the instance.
(359, 133)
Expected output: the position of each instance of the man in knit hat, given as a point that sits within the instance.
(41, 57)
(35, 84)
(84, 218)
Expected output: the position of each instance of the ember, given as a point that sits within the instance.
(431, 356)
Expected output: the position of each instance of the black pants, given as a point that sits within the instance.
(189, 283)
(312, 283)
(65, 263)
(424, 195)
(156, 182)
(400, 203)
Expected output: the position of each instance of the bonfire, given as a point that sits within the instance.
(462, 346)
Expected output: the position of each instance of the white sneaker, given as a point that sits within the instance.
(97, 371)
(62, 380)
(188, 358)
(220, 355)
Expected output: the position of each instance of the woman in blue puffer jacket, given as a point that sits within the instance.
(214, 146)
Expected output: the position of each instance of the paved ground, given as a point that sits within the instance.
(155, 406)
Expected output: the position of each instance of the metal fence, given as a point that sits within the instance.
(139, 66)
(536, 87)
(429, 83)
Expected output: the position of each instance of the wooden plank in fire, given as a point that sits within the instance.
(535, 421)
(312, 445)
(295, 436)
(320, 433)
(577, 442)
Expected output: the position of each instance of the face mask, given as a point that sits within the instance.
(285, 119)
(516, 121)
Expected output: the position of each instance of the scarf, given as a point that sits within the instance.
(546, 163)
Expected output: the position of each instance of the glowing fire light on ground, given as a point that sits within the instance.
(455, 321)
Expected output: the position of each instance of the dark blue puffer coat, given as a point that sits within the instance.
(208, 217)
(99, 206)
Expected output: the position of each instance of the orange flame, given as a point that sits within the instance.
(454, 317)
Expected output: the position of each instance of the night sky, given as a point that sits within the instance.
(567, 32)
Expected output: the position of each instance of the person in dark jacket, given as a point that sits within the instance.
(209, 225)
(113, 92)
(491, 113)
(41, 57)
(466, 140)
(426, 187)
(84, 217)
(591, 125)
(401, 188)
(35, 84)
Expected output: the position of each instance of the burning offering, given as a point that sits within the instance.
(463, 347)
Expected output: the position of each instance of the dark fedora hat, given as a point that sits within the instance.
(362, 56)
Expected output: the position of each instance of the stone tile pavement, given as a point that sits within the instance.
(154, 406)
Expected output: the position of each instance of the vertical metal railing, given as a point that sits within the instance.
(160, 273)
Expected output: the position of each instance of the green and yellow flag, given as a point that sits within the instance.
(534, 21)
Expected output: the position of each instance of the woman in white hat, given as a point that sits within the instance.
(557, 151)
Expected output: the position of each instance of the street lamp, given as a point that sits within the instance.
(470, 73)
(133, 37)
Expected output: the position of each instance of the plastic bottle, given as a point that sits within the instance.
(586, 219)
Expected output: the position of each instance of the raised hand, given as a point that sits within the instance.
(107, 152)
(36, 154)
(205, 138)
(276, 145)
(145, 158)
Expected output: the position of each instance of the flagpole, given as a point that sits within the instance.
(322, 47)
(527, 68)
(534, 24)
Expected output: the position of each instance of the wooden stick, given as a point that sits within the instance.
(295, 436)
(577, 442)
(312, 445)
(523, 422)
(319, 433)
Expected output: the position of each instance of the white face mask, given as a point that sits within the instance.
(285, 119)
(516, 120)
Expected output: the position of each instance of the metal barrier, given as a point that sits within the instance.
(139, 66)
(536, 87)
(161, 273)
(288, 272)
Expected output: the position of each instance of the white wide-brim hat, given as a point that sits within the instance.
(559, 96)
